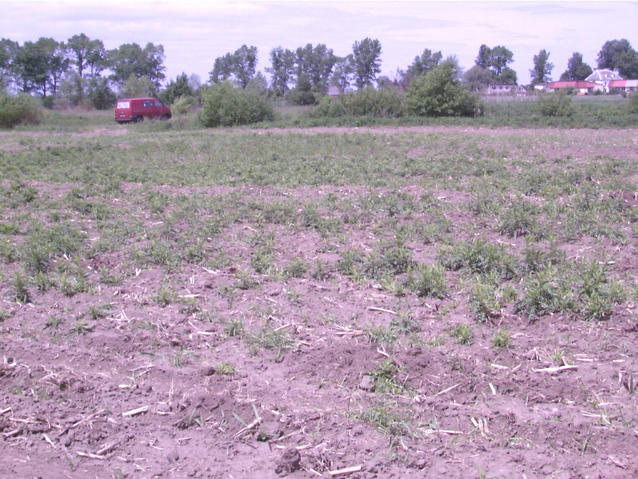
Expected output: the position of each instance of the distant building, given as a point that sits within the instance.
(602, 77)
(505, 89)
(625, 85)
(584, 87)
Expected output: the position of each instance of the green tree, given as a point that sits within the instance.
(342, 72)
(541, 73)
(496, 60)
(130, 59)
(87, 54)
(8, 52)
(478, 78)
(316, 63)
(240, 66)
(282, 70)
(425, 62)
(366, 59)
(39, 65)
(176, 88)
(440, 93)
(302, 93)
(99, 93)
(138, 86)
(619, 55)
(576, 68)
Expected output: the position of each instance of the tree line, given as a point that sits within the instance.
(82, 69)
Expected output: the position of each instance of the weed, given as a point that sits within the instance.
(274, 339)
(320, 271)
(234, 328)
(225, 369)
(501, 339)
(81, 327)
(392, 258)
(430, 281)
(386, 420)
(546, 292)
(385, 378)
(518, 218)
(100, 311)
(479, 257)
(296, 268)
(484, 301)
(20, 286)
(180, 359)
(261, 261)
(165, 296)
(243, 280)
(53, 322)
(463, 334)
(381, 335)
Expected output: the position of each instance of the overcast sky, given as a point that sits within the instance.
(195, 32)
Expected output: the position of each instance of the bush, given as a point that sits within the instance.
(555, 105)
(633, 102)
(381, 103)
(100, 94)
(15, 110)
(440, 93)
(227, 106)
(183, 104)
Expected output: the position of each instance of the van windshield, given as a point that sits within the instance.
(123, 104)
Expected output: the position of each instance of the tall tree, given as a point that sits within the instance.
(130, 59)
(281, 70)
(239, 65)
(576, 68)
(478, 78)
(87, 54)
(366, 59)
(8, 52)
(619, 55)
(176, 88)
(541, 73)
(39, 65)
(316, 63)
(496, 60)
(425, 62)
(342, 73)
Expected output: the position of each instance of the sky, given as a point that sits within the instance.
(195, 32)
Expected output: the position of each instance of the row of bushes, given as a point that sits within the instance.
(438, 93)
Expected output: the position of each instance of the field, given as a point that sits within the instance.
(371, 302)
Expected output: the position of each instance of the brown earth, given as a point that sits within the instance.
(143, 391)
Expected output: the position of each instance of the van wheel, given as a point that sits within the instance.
(164, 117)
(138, 119)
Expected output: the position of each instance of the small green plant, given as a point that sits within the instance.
(244, 280)
(385, 379)
(296, 268)
(100, 311)
(320, 271)
(20, 286)
(53, 322)
(430, 281)
(387, 421)
(484, 301)
(274, 339)
(463, 334)
(501, 339)
(234, 328)
(165, 296)
(479, 257)
(81, 327)
(225, 369)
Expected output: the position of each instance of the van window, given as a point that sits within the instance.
(123, 104)
(158, 103)
(148, 103)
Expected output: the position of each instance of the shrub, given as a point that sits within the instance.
(183, 104)
(430, 281)
(555, 105)
(381, 103)
(227, 106)
(479, 257)
(633, 102)
(440, 93)
(100, 93)
(15, 110)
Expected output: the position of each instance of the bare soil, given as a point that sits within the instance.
(143, 391)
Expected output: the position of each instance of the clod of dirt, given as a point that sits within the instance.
(173, 456)
(208, 371)
(289, 462)
(367, 384)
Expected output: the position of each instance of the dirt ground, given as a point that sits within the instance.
(151, 390)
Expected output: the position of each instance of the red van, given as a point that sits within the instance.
(136, 109)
